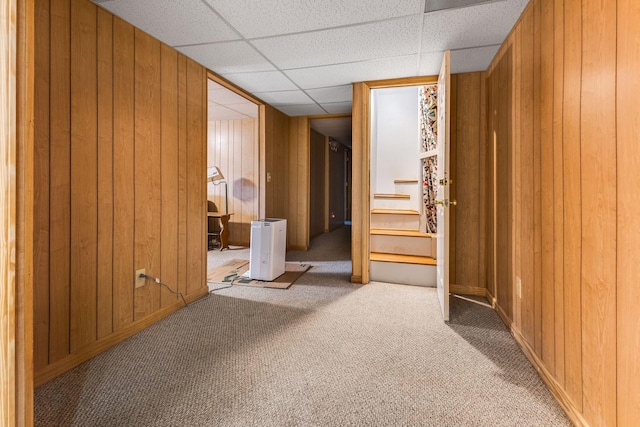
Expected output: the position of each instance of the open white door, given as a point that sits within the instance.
(442, 195)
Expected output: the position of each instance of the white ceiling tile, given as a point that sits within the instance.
(342, 93)
(219, 112)
(363, 42)
(301, 110)
(288, 97)
(473, 59)
(266, 18)
(430, 63)
(342, 74)
(173, 22)
(268, 81)
(482, 25)
(337, 107)
(228, 57)
(247, 108)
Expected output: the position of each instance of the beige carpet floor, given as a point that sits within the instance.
(325, 352)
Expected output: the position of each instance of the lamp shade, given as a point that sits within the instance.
(214, 174)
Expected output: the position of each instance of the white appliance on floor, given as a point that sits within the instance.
(268, 248)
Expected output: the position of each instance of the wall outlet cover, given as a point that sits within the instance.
(140, 281)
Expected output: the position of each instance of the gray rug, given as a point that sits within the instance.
(324, 353)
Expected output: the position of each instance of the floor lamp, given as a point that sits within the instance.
(215, 176)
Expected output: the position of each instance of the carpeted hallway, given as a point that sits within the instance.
(325, 352)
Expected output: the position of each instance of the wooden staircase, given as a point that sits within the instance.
(400, 252)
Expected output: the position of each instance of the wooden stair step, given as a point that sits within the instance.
(394, 211)
(405, 181)
(404, 259)
(398, 232)
(391, 196)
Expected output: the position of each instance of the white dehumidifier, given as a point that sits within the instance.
(268, 248)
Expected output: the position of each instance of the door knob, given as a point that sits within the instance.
(445, 202)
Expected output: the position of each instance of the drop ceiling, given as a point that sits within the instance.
(301, 56)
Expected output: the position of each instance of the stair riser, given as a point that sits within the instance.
(395, 221)
(393, 204)
(401, 245)
(404, 274)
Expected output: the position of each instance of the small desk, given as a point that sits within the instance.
(224, 231)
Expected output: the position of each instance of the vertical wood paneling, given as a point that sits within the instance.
(572, 201)
(628, 220)
(574, 82)
(249, 178)
(60, 183)
(482, 196)
(453, 189)
(105, 173)
(317, 183)
(112, 133)
(503, 186)
(547, 316)
(169, 172)
(182, 174)
(146, 173)
(41, 194)
(598, 179)
(233, 132)
(537, 188)
(123, 172)
(517, 168)
(558, 188)
(276, 144)
(467, 180)
(196, 178)
(11, 396)
(84, 179)
(233, 146)
(527, 173)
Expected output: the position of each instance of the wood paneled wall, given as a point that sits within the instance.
(563, 129)
(337, 189)
(233, 147)
(298, 179)
(120, 140)
(317, 185)
(468, 173)
(8, 195)
(276, 158)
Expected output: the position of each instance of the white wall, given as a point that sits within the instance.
(395, 145)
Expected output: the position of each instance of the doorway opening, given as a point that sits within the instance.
(233, 169)
(330, 177)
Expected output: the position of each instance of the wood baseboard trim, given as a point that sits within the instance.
(556, 389)
(55, 369)
(468, 290)
(356, 279)
(298, 248)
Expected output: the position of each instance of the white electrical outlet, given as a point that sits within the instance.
(518, 287)
(140, 281)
